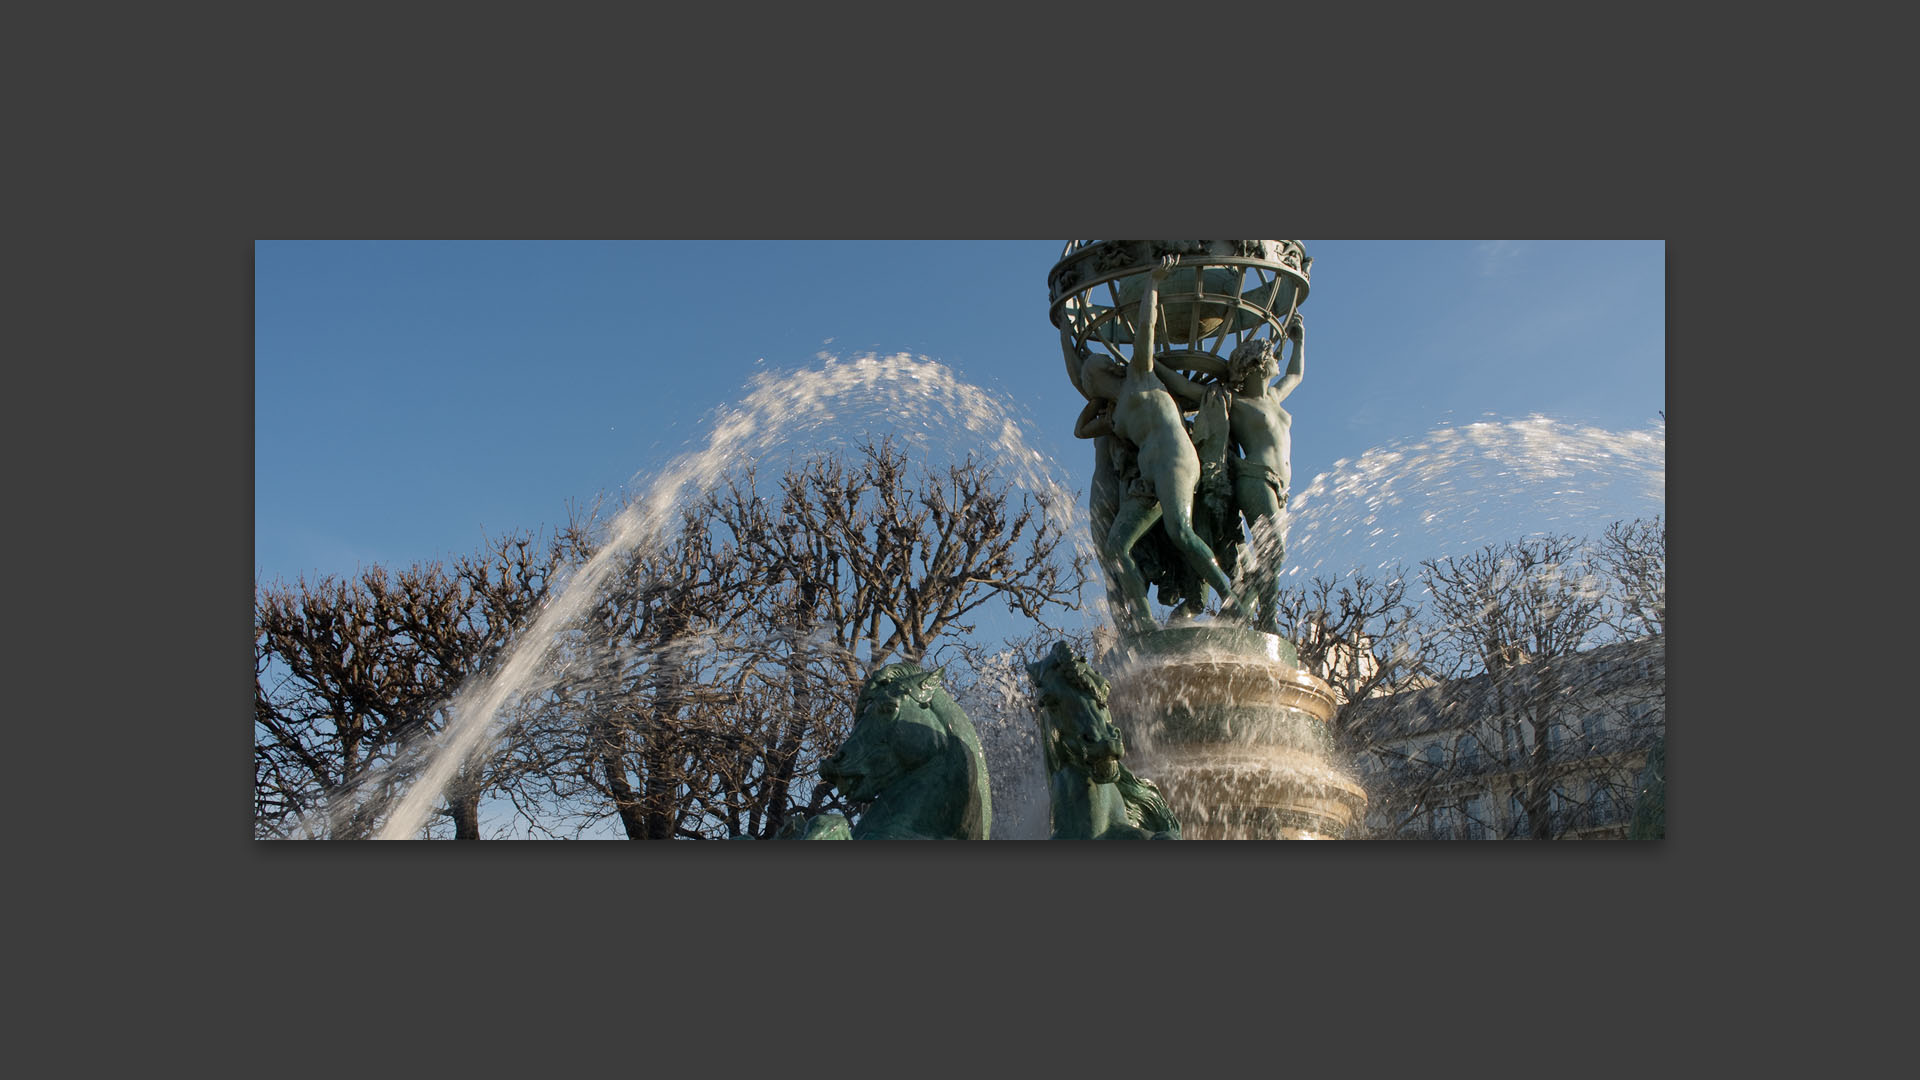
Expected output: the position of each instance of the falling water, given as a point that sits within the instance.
(915, 395)
(1457, 489)
(998, 703)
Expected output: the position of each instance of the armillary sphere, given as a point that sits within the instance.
(1219, 294)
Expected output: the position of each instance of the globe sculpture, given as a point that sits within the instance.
(1183, 350)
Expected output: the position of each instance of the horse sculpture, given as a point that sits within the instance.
(913, 761)
(1094, 796)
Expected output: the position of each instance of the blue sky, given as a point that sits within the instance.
(411, 396)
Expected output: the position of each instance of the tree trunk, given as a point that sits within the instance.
(625, 802)
(659, 790)
(465, 812)
(1538, 806)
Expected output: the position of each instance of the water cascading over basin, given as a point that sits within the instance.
(1236, 733)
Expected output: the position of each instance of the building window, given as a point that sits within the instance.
(1436, 755)
(1469, 752)
(1592, 727)
(1603, 803)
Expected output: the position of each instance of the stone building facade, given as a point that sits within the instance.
(1458, 759)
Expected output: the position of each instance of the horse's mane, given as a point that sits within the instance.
(1146, 807)
(909, 680)
(1077, 672)
(902, 679)
(1074, 670)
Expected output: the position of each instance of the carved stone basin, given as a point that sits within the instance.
(1235, 733)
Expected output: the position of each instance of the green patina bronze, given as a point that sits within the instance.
(828, 826)
(913, 764)
(1172, 306)
(1188, 317)
(1184, 351)
(1093, 795)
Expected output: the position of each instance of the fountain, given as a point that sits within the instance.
(1217, 710)
(1184, 351)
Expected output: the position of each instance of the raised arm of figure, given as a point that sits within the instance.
(1297, 366)
(1142, 359)
(1074, 357)
(1184, 390)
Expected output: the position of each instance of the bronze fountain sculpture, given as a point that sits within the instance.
(1152, 331)
(1177, 346)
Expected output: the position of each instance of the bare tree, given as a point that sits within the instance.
(1520, 612)
(1633, 555)
(717, 667)
(891, 565)
(349, 673)
(1543, 700)
(862, 561)
(1359, 634)
(630, 720)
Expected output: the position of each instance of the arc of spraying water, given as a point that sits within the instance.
(780, 407)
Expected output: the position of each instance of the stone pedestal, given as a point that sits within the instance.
(1235, 734)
